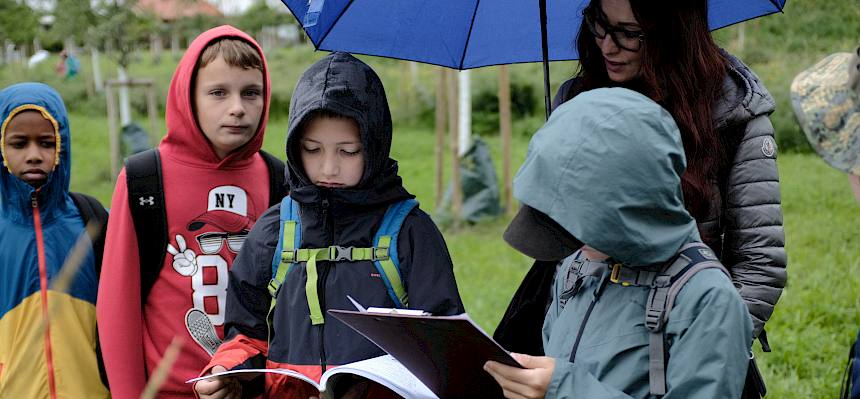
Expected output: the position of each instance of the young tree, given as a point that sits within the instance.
(18, 22)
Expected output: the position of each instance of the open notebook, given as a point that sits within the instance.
(337, 380)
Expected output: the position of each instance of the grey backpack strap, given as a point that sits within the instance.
(578, 269)
(666, 285)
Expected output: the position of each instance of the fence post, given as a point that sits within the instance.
(441, 85)
(113, 132)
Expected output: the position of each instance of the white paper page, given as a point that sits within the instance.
(386, 371)
(251, 373)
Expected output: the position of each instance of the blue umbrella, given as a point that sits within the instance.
(465, 34)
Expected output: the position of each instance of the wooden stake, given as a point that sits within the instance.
(453, 129)
(113, 132)
(441, 84)
(505, 130)
(153, 115)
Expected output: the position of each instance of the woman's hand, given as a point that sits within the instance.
(528, 382)
(219, 388)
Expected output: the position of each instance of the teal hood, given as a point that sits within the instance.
(16, 194)
(607, 167)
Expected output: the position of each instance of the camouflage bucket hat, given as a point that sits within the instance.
(826, 101)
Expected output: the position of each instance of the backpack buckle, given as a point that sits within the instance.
(377, 254)
(653, 319)
(615, 274)
(338, 253)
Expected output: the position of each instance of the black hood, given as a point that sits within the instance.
(342, 84)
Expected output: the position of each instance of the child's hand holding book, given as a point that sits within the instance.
(227, 387)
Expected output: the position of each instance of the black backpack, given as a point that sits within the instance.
(93, 210)
(148, 212)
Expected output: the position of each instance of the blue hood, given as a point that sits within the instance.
(607, 167)
(15, 200)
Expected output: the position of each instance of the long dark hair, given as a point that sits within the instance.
(682, 70)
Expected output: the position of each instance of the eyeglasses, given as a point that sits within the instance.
(626, 39)
(211, 243)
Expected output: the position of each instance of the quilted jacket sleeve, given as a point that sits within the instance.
(754, 240)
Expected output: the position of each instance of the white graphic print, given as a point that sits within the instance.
(219, 235)
(217, 290)
(228, 198)
(184, 259)
(188, 264)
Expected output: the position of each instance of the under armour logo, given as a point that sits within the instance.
(147, 201)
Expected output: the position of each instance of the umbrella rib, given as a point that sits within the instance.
(776, 4)
(345, 9)
(469, 36)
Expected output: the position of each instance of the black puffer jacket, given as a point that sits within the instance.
(745, 220)
(344, 85)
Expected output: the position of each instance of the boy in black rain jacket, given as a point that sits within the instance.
(343, 181)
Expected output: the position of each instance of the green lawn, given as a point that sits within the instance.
(810, 331)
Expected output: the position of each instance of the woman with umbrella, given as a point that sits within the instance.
(731, 185)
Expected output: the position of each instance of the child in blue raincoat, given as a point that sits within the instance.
(47, 336)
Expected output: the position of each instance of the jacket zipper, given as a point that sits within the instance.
(597, 292)
(321, 282)
(43, 288)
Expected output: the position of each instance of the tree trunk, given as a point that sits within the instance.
(124, 103)
(174, 43)
(98, 82)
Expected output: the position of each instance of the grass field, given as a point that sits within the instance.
(810, 331)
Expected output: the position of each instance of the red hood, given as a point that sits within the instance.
(185, 141)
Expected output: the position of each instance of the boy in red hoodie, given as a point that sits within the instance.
(215, 185)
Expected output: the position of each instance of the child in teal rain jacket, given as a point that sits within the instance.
(617, 190)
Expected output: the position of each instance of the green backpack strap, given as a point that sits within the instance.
(383, 255)
(387, 261)
(289, 238)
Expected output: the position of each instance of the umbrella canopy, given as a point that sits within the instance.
(465, 34)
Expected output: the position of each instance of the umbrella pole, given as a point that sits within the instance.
(545, 53)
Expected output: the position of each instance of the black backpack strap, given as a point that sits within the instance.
(277, 182)
(146, 203)
(92, 210)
